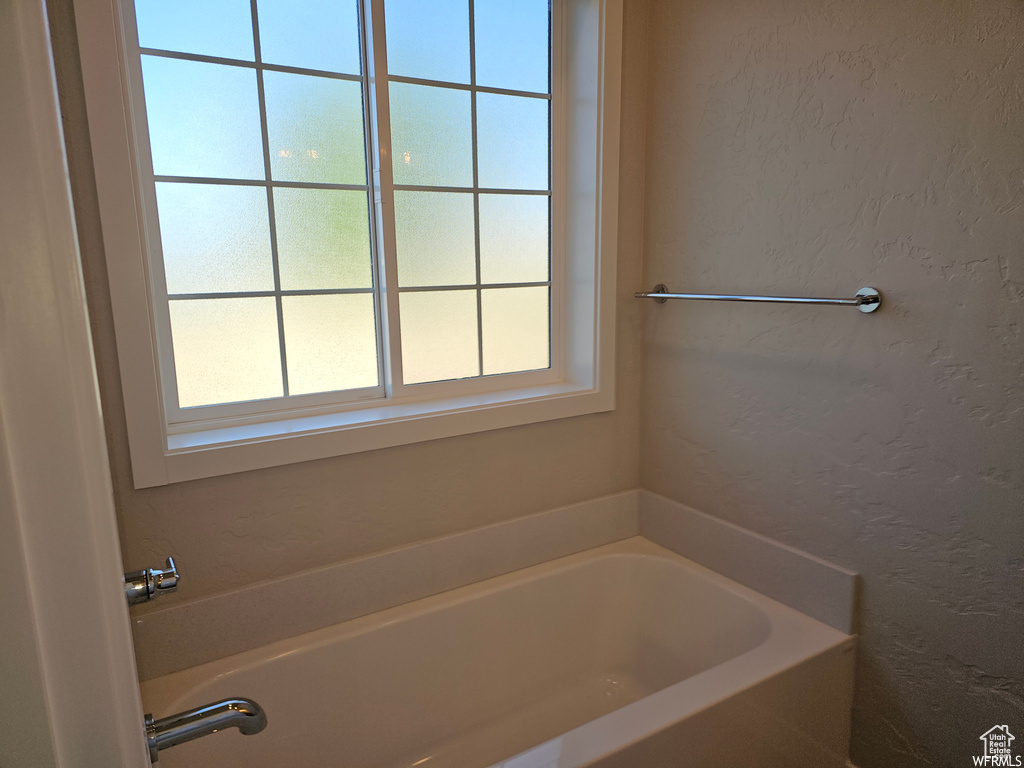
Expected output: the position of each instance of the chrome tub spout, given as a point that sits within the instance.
(244, 714)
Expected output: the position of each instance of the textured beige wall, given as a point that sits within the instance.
(813, 147)
(792, 146)
(233, 530)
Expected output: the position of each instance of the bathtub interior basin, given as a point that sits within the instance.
(476, 676)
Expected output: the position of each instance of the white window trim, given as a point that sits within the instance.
(592, 40)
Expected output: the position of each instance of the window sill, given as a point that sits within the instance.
(221, 450)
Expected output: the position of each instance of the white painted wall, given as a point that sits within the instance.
(809, 147)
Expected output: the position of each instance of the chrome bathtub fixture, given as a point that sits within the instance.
(244, 714)
(149, 583)
(867, 299)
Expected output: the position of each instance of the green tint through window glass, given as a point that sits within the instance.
(323, 238)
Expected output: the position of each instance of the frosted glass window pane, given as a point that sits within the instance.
(435, 238)
(315, 126)
(516, 334)
(216, 239)
(512, 44)
(315, 34)
(512, 142)
(225, 350)
(323, 238)
(513, 238)
(223, 28)
(204, 119)
(439, 336)
(428, 39)
(431, 136)
(330, 342)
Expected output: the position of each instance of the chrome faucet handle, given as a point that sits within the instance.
(165, 580)
(149, 583)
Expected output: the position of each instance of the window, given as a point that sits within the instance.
(352, 224)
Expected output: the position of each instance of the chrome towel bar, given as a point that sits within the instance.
(867, 299)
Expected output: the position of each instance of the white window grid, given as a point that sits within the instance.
(476, 190)
(376, 132)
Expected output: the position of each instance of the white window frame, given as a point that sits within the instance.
(585, 143)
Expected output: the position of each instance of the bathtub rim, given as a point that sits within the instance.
(792, 638)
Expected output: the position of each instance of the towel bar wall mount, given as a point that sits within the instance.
(866, 299)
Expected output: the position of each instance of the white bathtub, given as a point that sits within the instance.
(624, 655)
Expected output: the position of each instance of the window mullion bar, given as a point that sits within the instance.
(558, 182)
(476, 191)
(249, 64)
(384, 193)
(261, 183)
(261, 92)
(429, 288)
(268, 294)
(366, 49)
(483, 190)
(470, 87)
